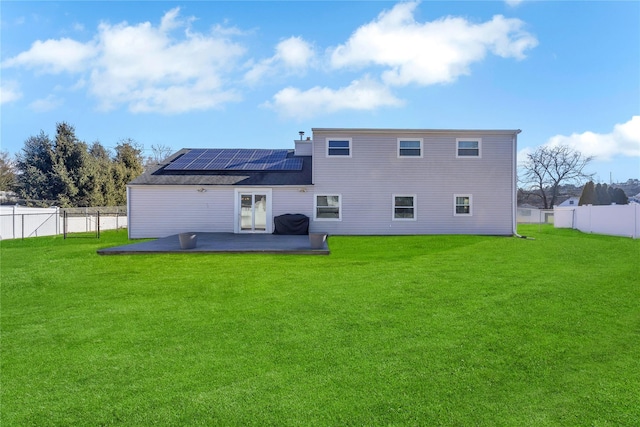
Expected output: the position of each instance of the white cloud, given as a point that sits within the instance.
(295, 53)
(623, 140)
(9, 92)
(226, 30)
(145, 67)
(170, 20)
(49, 103)
(365, 94)
(431, 52)
(55, 56)
(293, 56)
(513, 3)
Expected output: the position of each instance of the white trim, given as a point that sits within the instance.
(334, 156)
(420, 140)
(377, 131)
(237, 213)
(315, 206)
(514, 184)
(478, 140)
(455, 196)
(128, 212)
(393, 207)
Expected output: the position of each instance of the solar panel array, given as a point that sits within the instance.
(236, 159)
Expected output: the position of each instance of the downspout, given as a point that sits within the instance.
(514, 193)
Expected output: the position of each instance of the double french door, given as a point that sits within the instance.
(254, 211)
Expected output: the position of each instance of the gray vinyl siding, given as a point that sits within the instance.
(163, 210)
(160, 211)
(368, 179)
(292, 201)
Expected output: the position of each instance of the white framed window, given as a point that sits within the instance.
(404, 207)
(327, 207)
(462, 205)
(338, 147)
(468, 148)
(408, 147)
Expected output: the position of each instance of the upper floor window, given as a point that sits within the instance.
(462, 205)
(468, 147)
(410, 147)
(404, 207)
(339, 147)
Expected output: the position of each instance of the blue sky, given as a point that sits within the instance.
(252, 74)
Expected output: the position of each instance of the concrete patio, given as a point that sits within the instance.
(223, 243)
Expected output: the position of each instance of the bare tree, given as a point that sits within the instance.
(547, 168)
(159, 153)
(7, 172)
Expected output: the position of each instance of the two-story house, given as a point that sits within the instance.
(347, 181)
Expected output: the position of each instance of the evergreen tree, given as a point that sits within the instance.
(35, 166)
(68, 172)
(588, 196)
(102, 190)
(603, 195)
(128, 164)
(72, 168)
(619, 197)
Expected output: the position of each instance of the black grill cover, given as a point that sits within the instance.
(291, 224)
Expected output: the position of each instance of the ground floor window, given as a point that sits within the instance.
(462, 205)
(328, 207)
(404, 207)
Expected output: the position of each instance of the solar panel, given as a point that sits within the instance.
(218, 159)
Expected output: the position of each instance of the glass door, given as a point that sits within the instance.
(253, 212)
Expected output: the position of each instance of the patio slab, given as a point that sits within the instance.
(223, 243)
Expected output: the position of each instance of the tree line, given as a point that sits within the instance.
(68, 172)
(602, 194)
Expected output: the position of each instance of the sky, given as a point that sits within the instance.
(246, 74)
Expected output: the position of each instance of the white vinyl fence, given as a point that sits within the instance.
(614, 220)
(18, 222)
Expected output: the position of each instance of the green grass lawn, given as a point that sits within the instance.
(386, 331)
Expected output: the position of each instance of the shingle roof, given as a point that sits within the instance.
(158, 175)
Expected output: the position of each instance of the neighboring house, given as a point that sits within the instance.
(571, 201)
(347, 181)
(528, 214)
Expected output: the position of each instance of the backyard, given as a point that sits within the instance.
(413, 330)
